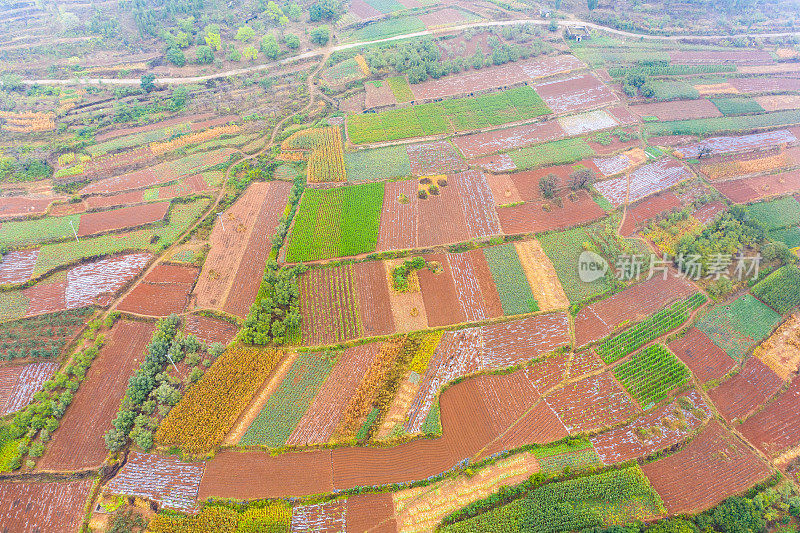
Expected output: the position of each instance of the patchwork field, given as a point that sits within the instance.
(737, 326)
(56, 507)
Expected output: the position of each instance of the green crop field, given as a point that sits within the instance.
(775, 214)
(386, 6)
(737, 326)
(673, 90)
(509, 277)
(789, 236)
(383, 29)
(27, 232)
(138, 139)
(434, 118)
(400, 89)
(573, 460)
(336, 222)
(633, 338)
(553, 153)
(601, 500)
(651, 374)
(284, 409)
(343, 72)
(563, 249)
(708, 126)
(669, 70)
(737, 106)
(377, 165)
(781, 289)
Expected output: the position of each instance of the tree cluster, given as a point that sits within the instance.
(276, 312)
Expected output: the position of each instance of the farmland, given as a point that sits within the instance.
(651, 374)
(735, 327)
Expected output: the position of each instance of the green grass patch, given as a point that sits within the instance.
(673, 90)
(336, 222)
(379, 164)
(737, 326)
(383, 29)
(435, 118)
(400, 88)
(553, 153)
(13, 304)
(433, 422)
(651, 374)
(775, 214)
(573, 461)
(386, 6)
(343, 72)
(284, 409)
(509, 277)
(781, 289)
(616, 497)
(27, 232)
(789, 236)
(669, 70)
(737, 106)
(8, 447)
(709, 126)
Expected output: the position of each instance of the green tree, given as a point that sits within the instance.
(294, 12)
(548, 185)
(269, 45)
(320, 35)
(592, 4)
(292, 41)
(204, 55)
(11, 82)
(250, 53)
(179, 96)
(245, 33)
(147, 82)
(176, 56)
(214, 39)
(324, 10)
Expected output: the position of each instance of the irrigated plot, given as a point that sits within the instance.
(591, 403)
(377, 164)
(760, 187)
(582, 91)
(329, 517)
(710, 468)
(33, 507)
(210, 330)
(654, 431)
(643, 182)
(510, 278)
(435, 158)
(737, 326)
(485, 143)
(17, 267)
(682, 110)
(742, 394)
(18, 384)
(328, 305)
(739, 143)
(167, 480)
(651, 374)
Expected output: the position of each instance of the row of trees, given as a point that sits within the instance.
(581, 178)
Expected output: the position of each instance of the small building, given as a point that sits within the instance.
(577, 33)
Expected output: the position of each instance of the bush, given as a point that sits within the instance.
(548, 185)
(320, 35)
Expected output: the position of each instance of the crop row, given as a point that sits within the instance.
(651, 374)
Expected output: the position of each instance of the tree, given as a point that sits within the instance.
(592, 4)
(204, 55)
(647, 90)
(548, 185)
(250, 53)
(275, 13)
(320, 35)
(176, 56)
(214, 40)
(324, 10)
(11, 82)
(581, 179)
(147, 82)
(245, 33)
(292, 41)
(294, 12)
(269, 45)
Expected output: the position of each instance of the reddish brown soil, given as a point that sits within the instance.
(474, 285)
(709, 212)
(115, 164)
(477, 203)
(163, 291)
(14, 206)
(200, 121)
(710, 468)
(591, 403)
(742, 394)
(328, 305)
(210, 330)
(435, 158)
(576, 93)
(712, 57)
(46, 297)
(126, 217)
(126, 198)
(683, 110)
(441, 219)
(671, 140)
(652, 432)
(378, 96)
(583, 363)
(752, 189)
(777, 427)
(532, 217)
(704, 358)
(32, 507)
(632, 305)
(374, 305)
(527, 182)
(548, 373)
(443, 17)
(439, 293)
(247, 279)
(19, 382)
(764, 85)
(191, 185)
(649, 208)
(78, 442)
(363, 10)
(330, 403)
(399, 221)
(483, 144)
(371, 512)
(70, 208)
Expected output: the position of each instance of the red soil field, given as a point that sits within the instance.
(377, 97)
(477, 203)
(652, 432)
(20, 206)
(125, 198)
(579, 92)
(441, 219)
(752, 189)
(18, 384)
(509, 74)
(328, 517)
(711, 57)
(328, 305)
(46, 297)
(374, 305)
(509, 343)
(69, 208)
(583, 363)
(527, 181)
(632, 305)
(705, 359)
(738, 143)
(399, 227)
(363, 10)
(496, 163)
(330, 403)
(532, 217)
(199, 121)
(17, 267)
(546, 374)
(709, 212)
(37, 507)
(185, 187)
(210, 330)
(442, 17)
(649, 208)
(118, 219)
(439, 294)
(777, 427)
(482, 144)
(710, 468)
(766, 85)
(434, 158)
(167, 480)
(683, 110)
(474, 286)
(240, 245)
(591, 403)
(114, 164)
(371, 512)
(163, 291)
(78, 442)
(742, 394)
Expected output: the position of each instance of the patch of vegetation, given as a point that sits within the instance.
(512, 284)
(781, 289)
(737, 106)
(708, 126)
(737, 326)
(552, 153)
(651, 374)
(378, 164)
(775, 214)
